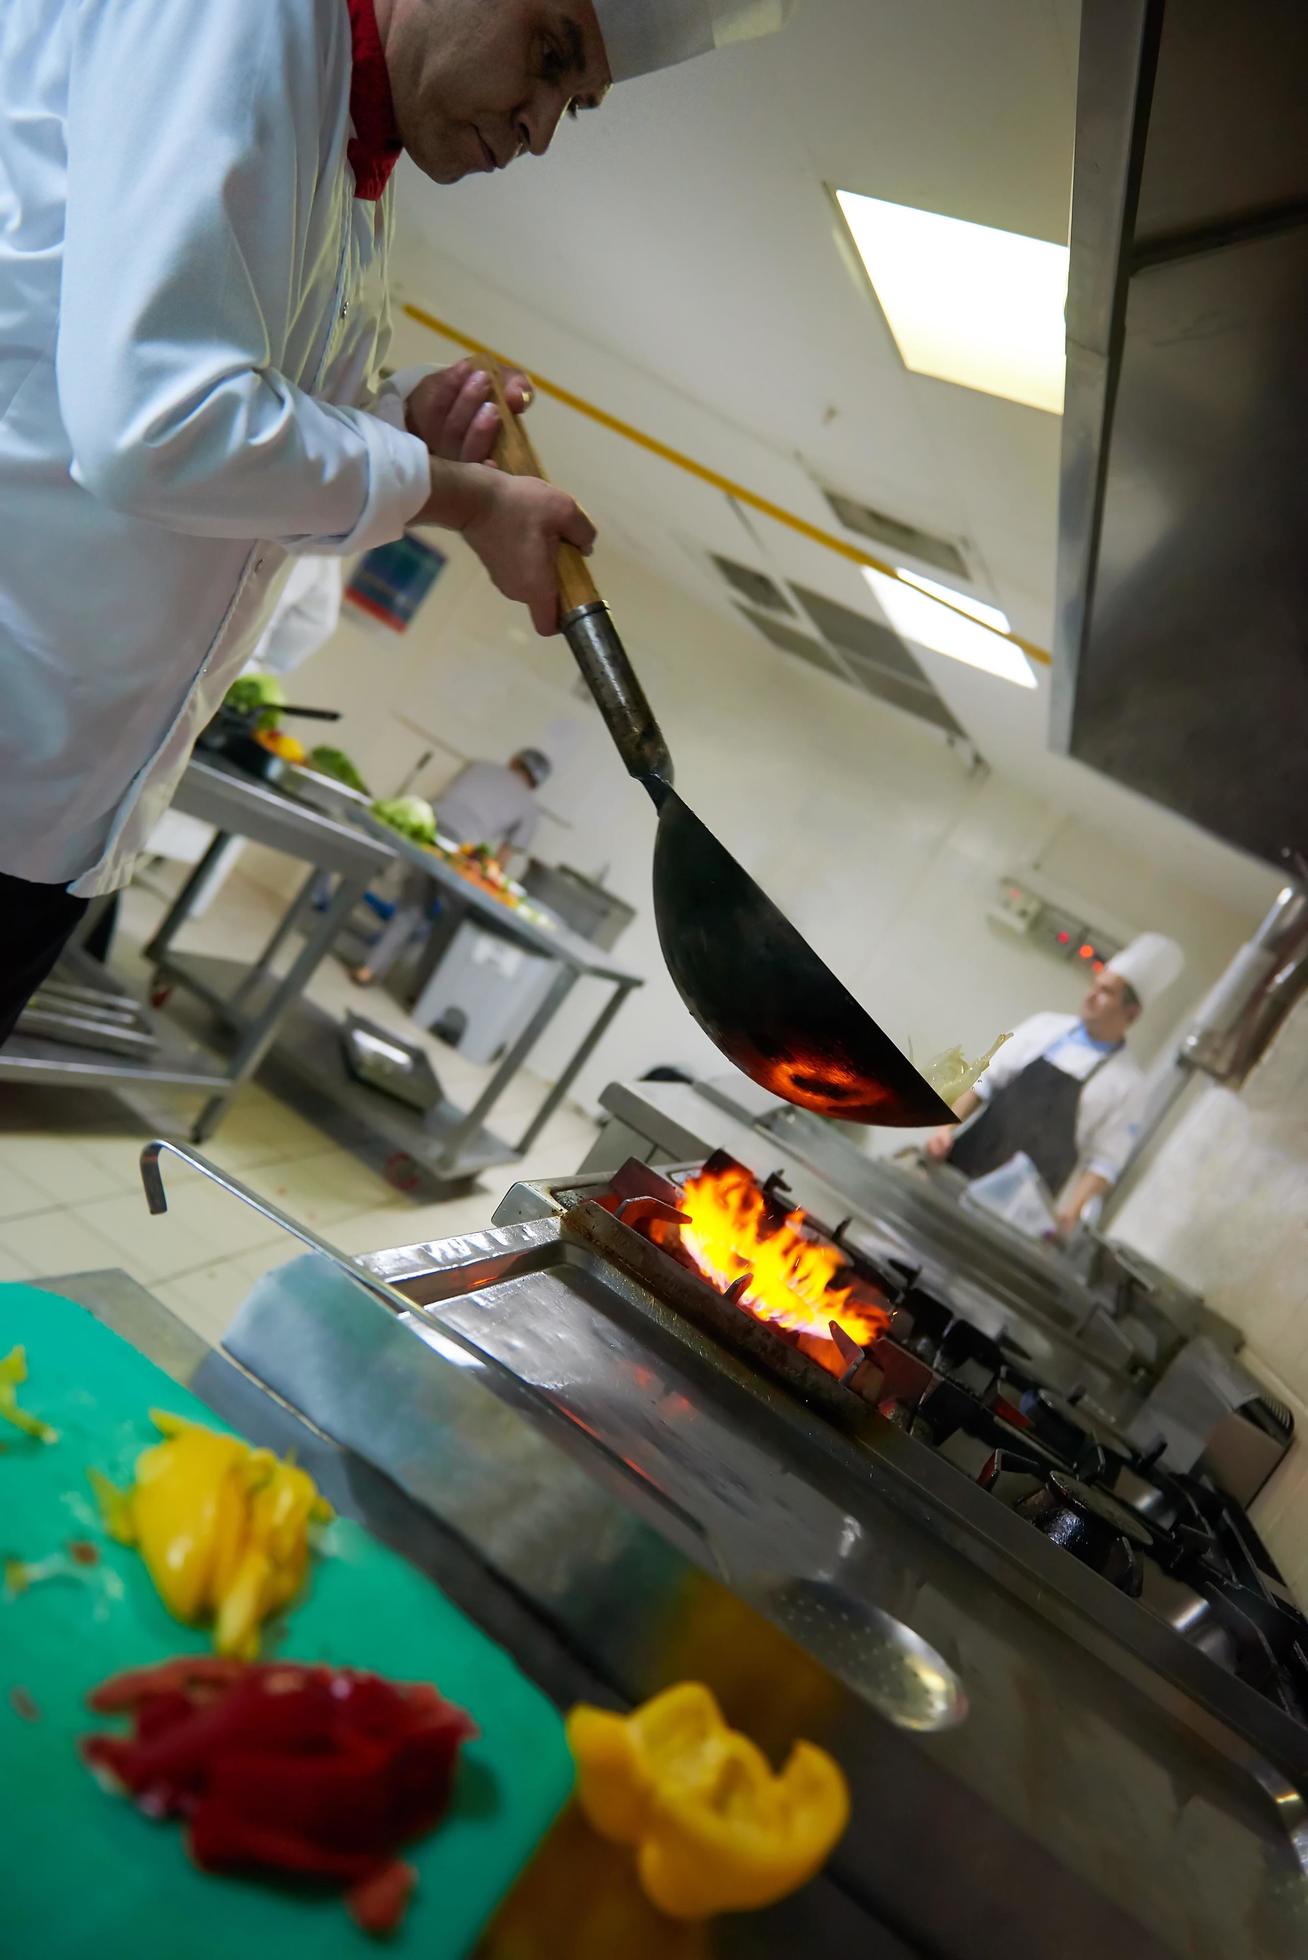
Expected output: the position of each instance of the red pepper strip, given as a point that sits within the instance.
(247, 1715)
(188, 1672)
(159, 1713)
(340, 1801)
(368, 1795)
(313, 1772)
(379, 1904)
(224, 1841)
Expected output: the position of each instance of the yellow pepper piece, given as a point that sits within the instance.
(715, 1829)
(13, 1373)
(747, 1840)
(176, 1508)
(223, 1529)
(612, 1785)
(242, 1607)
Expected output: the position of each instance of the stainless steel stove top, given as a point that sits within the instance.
(1089, 1771)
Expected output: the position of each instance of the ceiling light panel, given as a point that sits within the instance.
(966, 303)
(918, 617)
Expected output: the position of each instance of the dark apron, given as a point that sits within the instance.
(1035, 1112)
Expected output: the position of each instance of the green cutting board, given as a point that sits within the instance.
(84, 1873)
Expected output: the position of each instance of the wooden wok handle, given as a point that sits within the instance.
(515, 455)
(589, 629)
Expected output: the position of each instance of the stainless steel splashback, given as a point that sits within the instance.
(1181, 644)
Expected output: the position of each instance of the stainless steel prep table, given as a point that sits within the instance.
(448, 1145)
(250, 1000)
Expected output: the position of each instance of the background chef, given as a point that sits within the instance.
(1064, 1089)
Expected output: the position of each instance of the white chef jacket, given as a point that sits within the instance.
(488, 803)
(191, 301)
(1108, 1114)
(304, 619)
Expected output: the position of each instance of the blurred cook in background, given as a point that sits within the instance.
(495, 802)
(1064, 1089)
(488, 804)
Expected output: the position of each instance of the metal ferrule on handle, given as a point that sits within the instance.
(611, 678)
(589, 629)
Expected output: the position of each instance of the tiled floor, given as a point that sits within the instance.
(70, 1189)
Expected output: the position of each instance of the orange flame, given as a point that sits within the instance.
(791, 1277)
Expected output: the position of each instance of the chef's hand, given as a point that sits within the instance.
(517, 532)
(939, 1144)
(452, 412)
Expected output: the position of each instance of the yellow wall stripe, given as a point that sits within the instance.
(829, 540)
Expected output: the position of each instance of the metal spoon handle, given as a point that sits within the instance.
(588, 626)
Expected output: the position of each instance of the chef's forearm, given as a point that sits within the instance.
(1089, 1185)
(967, 1102)
(459, 492)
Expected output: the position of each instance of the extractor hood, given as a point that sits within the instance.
(1181, 645)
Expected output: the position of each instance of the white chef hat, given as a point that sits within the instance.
(1148, 965)
(642, 35)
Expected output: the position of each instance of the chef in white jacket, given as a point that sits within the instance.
(1064, 1089)
(194, 227)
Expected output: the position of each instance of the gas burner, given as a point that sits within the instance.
(870, 1339)
(1092, 1526)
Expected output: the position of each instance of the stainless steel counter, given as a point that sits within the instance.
(250, 1000)
(439, 1149)
(558, 942)
(624, 1512)
(1017, 1787)
(471, 1544)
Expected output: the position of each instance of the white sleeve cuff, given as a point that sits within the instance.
(399, 484)
(395, 391)
(1102, 1167)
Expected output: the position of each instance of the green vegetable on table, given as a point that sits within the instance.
(412, 816)
(336, 764)
(251, 693)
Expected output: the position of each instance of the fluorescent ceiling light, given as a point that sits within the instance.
(916, 616)
(966, 303)
(990, 616)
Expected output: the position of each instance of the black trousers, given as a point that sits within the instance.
(35, 924)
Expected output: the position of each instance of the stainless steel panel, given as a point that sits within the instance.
(1090, 1797)
(1180, 667)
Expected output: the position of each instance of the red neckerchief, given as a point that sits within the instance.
(375, 145)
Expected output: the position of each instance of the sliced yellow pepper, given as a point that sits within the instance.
(715, 1829)
(223, 1528)
(13, 1373)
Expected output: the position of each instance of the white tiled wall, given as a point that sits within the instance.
(1225, 1206)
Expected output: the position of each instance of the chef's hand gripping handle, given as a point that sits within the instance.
(589, 629)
